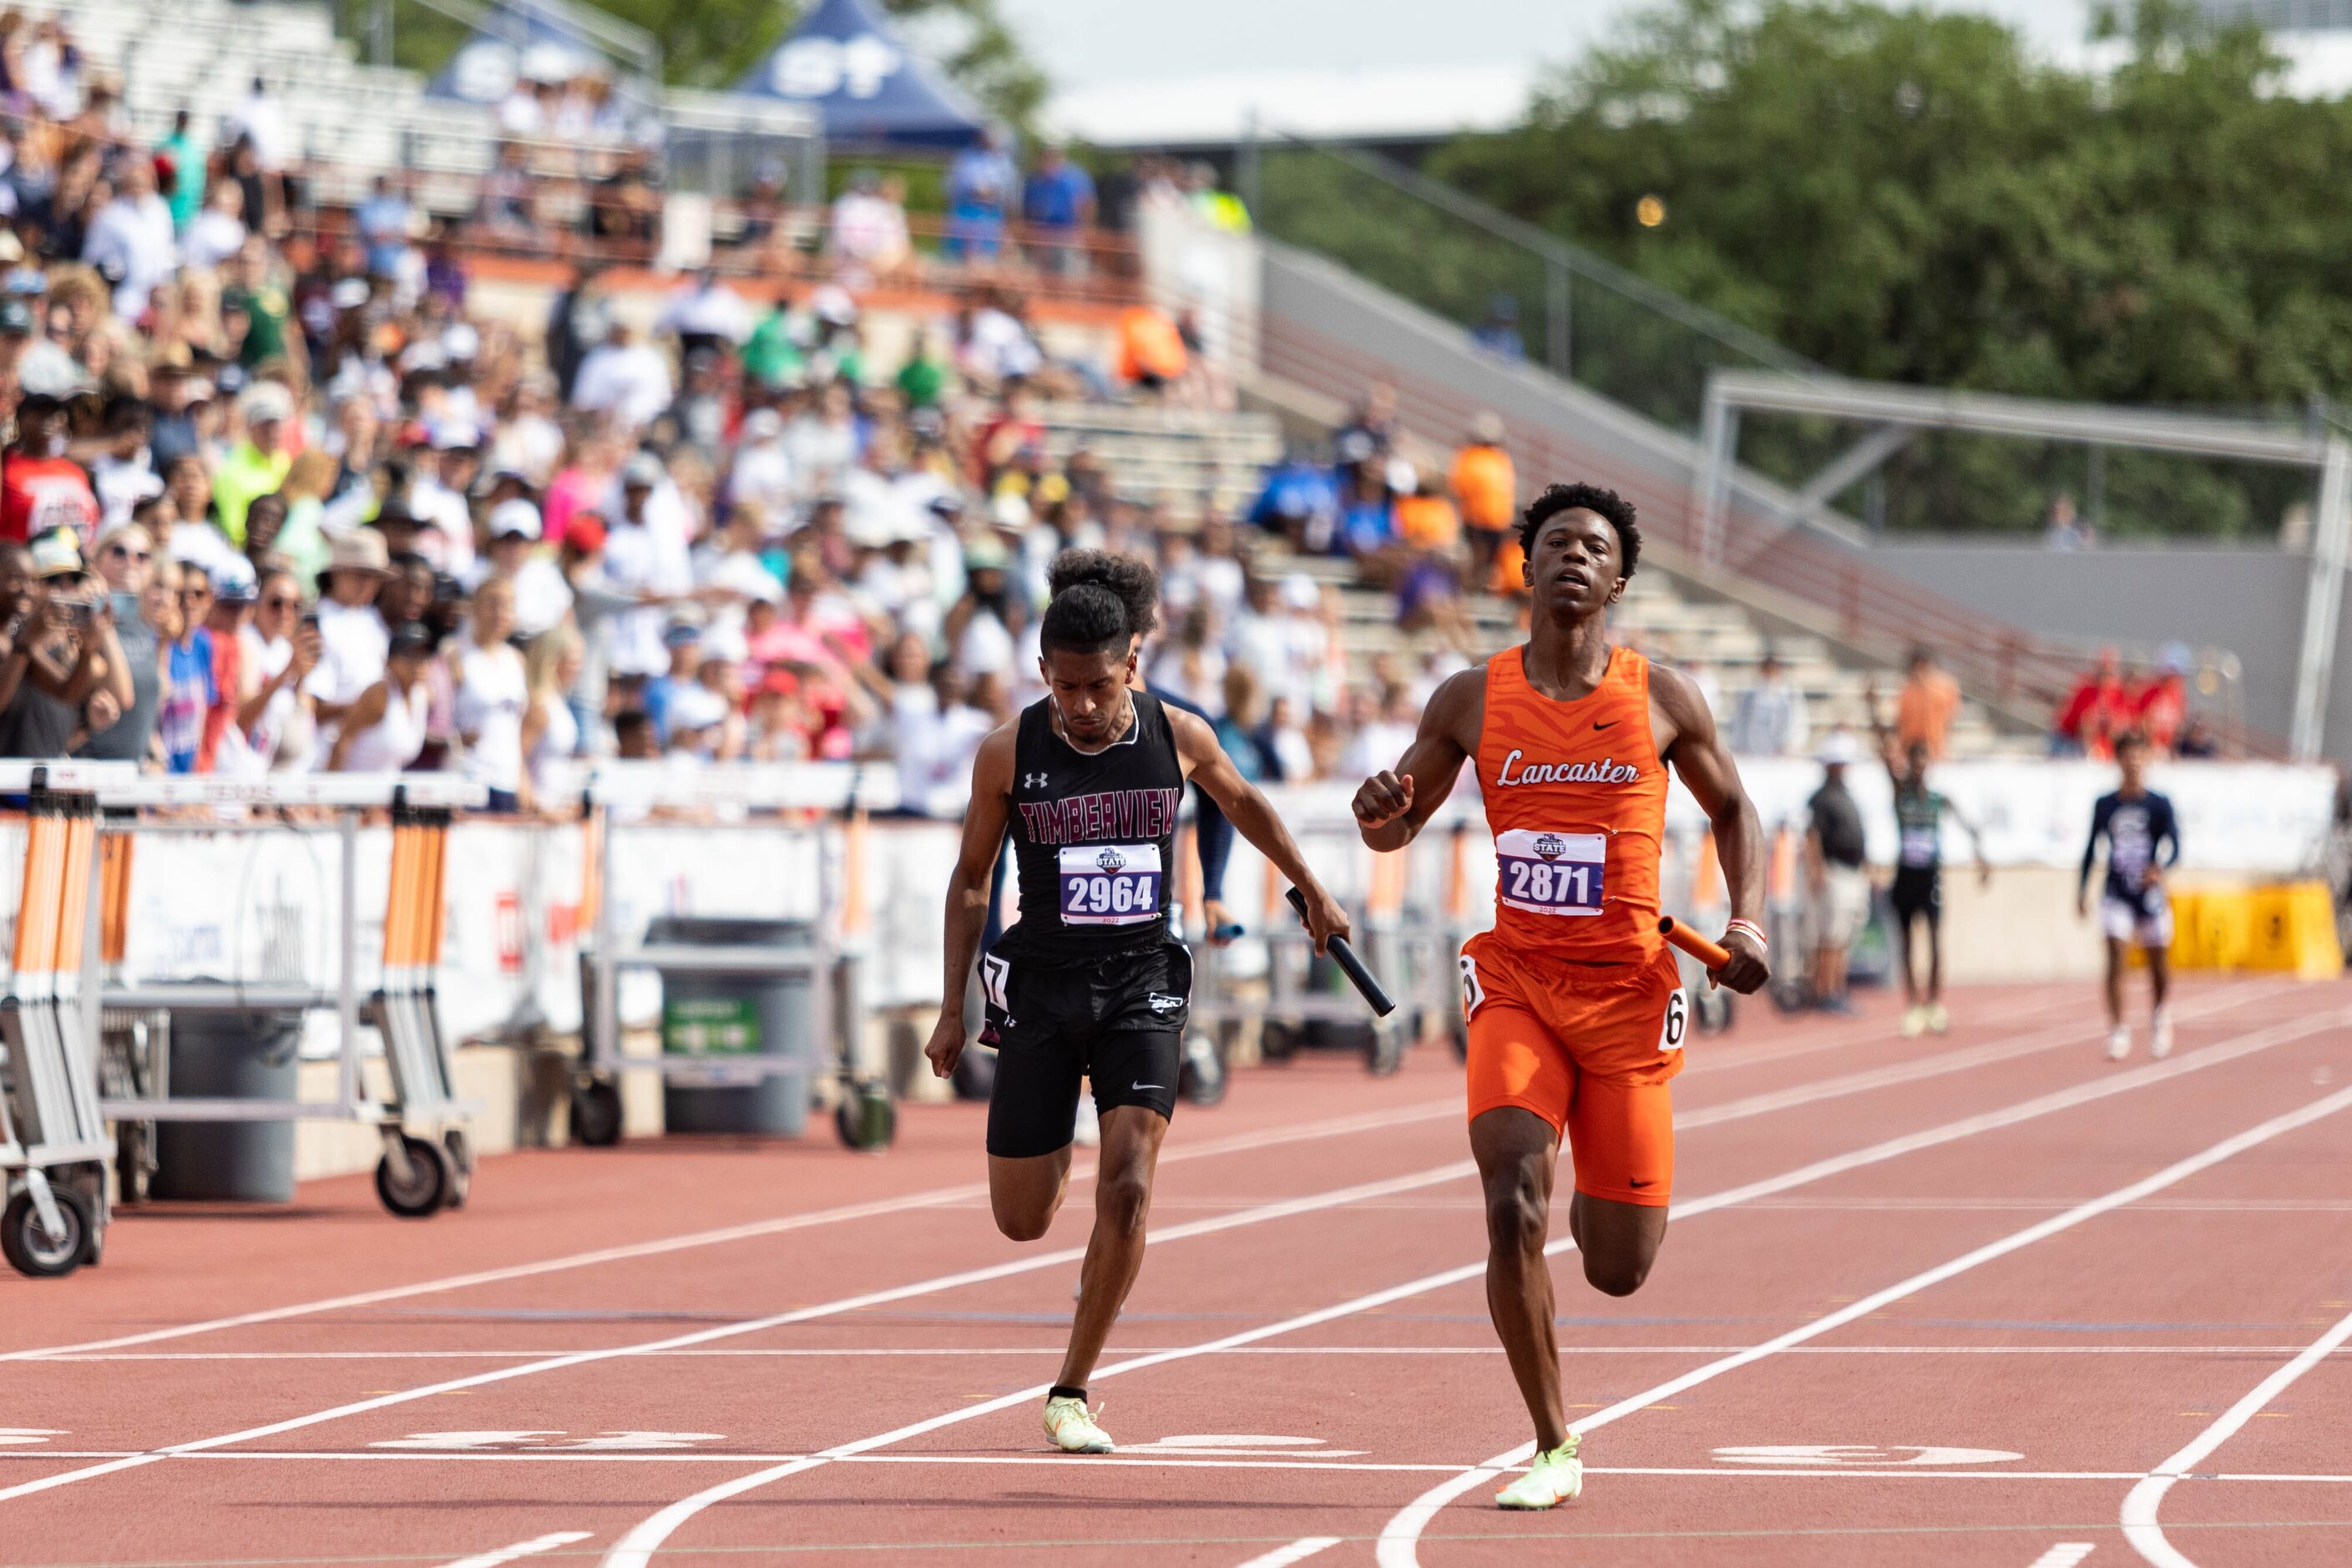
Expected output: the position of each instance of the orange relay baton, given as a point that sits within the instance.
(1710, 954)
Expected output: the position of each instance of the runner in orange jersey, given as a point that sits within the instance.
(1576, 1014)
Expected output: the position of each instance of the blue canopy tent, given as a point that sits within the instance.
(845, 61)
(539, 39)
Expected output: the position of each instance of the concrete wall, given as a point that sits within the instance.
(2249, 601)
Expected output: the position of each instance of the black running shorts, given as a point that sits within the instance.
(1119, 1021)
(1917, 893)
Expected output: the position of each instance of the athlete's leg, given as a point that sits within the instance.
(2115, 980)
(1935, 953)
(1517, 1150)
(1130, 1155)
(1619, 1241)
(2160, 974)
(1026, 1192)
(1905, 918)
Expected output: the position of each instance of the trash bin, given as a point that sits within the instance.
(719, 1018)
(239, 1056)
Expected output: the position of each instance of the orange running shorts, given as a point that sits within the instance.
(1590, 1048)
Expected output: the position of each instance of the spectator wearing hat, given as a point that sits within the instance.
(41, 490)
(542, 597)
(234, 592)
(63, 676)
(1486, 488)
(258, 464)
(383, 729)
(1838, 893)
(352, 635)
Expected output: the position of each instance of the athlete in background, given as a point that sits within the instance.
(1917, 893)
(1575, 1007)
(1090, 983)
(2143, 842)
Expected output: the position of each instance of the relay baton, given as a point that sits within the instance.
(1350, 965)
(1712, 954)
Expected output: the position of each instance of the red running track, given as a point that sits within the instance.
(1950, 1301)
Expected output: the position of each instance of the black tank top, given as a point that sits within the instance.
(1094, 837)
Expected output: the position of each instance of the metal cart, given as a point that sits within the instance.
(54, 1146)
(427, 1161)
(625, 797)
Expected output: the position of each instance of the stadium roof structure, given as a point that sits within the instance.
(1219, 109)
(1895, 412)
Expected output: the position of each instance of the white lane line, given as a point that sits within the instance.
(944, 1197)
(635, 1549)
(1147, 1461)
(852, 1352)
(532, 1548)
(937, 1198)
(1299, 1550)
(2141, 1531)
(2065, 1554)
(2081, 1093)
(1399, 1536)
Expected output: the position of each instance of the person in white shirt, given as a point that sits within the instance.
(217, 232)
(353, 636)
(647, 552)
(124, 475)
(260, 120)
(867, 239)
(130, 240)
(706, 313)
(281, 651)
(762, 472)
(1769, 718)
(541, 595)
(436, 499)
(1263, 643)
(491, 694)
(625, 377)
(520, 113)
(824, 442)
(530, 442)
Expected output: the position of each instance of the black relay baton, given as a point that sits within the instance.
(1351, 966)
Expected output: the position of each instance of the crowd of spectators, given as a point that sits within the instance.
(270, 504)
(2112, 700)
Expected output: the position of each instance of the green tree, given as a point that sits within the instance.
(1910, 195)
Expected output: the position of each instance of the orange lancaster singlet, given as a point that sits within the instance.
(1576, 797)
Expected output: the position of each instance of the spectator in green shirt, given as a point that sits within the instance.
(771, 357)
(924, 377)
(257, 464)
(187, 157)
(253, 295)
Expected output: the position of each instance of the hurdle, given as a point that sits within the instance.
(54, 1145)
(628, 798)
(428, 1155)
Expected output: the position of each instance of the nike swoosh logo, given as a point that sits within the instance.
(1635, 1182)
(1143, 1086)
(1598, 725)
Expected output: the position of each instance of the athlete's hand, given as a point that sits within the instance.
(1382, 798)
(945, 1047)
(1746, 972)
(1217, 918)
(1325, 917)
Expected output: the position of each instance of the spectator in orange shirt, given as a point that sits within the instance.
(1151, 353)
(1923, 713)
(1487, 488)
(1426, 521)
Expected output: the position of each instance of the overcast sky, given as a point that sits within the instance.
(1120, 40)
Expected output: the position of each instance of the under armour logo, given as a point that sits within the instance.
(1032, 780)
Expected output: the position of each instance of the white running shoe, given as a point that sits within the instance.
(2119, 1042)
(1914, 1022)
(1072, 1428)
(1554, 1477)
(2160, 1034)
(1940, 1018)
(1088, 1134)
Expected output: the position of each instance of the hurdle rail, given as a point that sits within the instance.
(630, 797)
(427, 1161)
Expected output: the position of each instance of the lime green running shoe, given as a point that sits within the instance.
(1554, 1477)
(1072, 1428)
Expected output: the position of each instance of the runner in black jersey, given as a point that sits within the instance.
(1091, 982)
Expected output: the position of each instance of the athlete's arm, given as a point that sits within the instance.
(1975, 843)
(2099, 815)
(983, 837)
(1704, 762)
(2166, 850)
(1393, 804)
(1208, 767)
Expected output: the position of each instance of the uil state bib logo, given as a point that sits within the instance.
(1110, 860)
(1551, 846)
